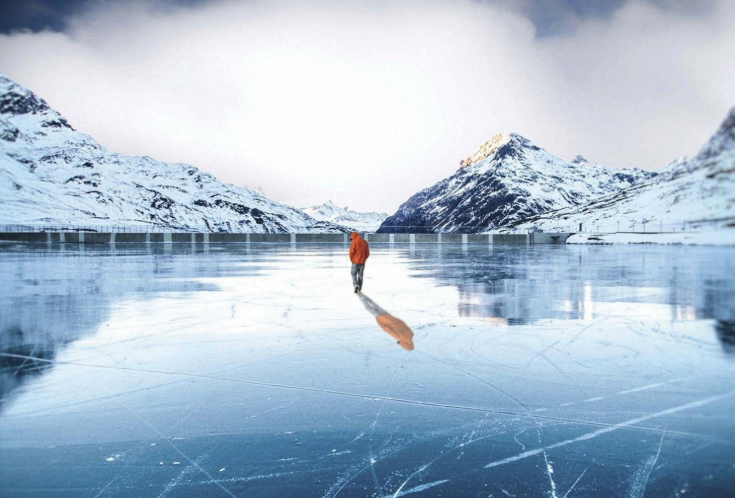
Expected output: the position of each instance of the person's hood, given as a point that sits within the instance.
(355, 235)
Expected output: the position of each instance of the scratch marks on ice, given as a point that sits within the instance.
(514, 413)
(177, 480)
(622, 425)
(421, 487)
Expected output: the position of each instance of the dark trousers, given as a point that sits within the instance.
(357, 271)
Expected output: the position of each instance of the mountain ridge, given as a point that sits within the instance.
(359, 221)
(507, 179)
(52, 174)
(688, 190)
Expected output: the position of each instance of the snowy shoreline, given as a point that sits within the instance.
(714, 238)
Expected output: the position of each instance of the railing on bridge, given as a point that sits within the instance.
(650, 226)
(644, 226)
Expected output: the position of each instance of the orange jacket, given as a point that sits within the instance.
(359, 250)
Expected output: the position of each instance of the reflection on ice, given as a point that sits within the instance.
(20, 360)
(252, 371)
(395, 327)
(726, 334)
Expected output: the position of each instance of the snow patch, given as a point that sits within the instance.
(344, 216)
(718, 238)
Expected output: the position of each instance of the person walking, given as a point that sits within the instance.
(359, 253)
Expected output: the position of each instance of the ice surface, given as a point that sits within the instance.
(551, 371)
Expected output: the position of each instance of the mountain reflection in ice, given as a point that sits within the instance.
(53, 297)
(522, 284)
(726, 334)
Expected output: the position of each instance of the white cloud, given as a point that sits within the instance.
(368, 103)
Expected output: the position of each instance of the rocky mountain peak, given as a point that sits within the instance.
(728, 126)
(507, 179)
(486, 149)
(723, 140)
(580, 159)
(500, 146)
(16, 100)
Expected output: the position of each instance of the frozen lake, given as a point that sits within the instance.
(547, 371)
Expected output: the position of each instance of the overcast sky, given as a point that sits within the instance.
(367, 102)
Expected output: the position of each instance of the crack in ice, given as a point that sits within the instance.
(575, 483)
(638, 489)
(549, 472)
(192, 462)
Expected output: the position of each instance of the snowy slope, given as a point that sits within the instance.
(688, 190)
(507, 179)
(329, 211)
(52, 174)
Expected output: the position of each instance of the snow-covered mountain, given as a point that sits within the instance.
(687, 190)
(506, 180)
(329, 211)
(52, 174)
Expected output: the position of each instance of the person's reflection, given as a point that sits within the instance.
(395, 327)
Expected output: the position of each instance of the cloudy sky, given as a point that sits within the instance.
(367, 102)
